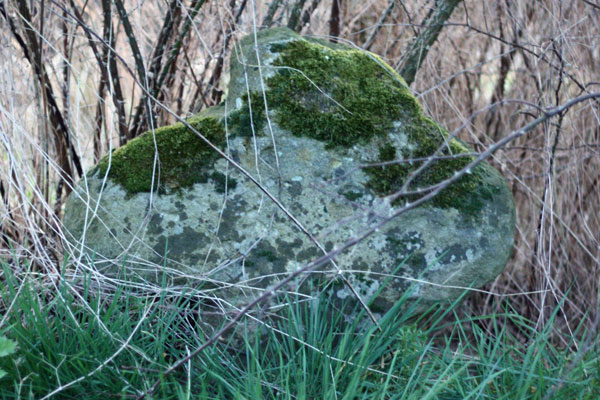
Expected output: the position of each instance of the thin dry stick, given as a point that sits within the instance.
(379, 24)
(137, 54)
(30, 48)
(174, 53)
(143, 108)
(108, 68)
(524, 49)
(294, 21)
(353, 241)
(213, 85)
(268, 20)
(434, 22)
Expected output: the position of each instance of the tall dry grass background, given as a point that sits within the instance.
(72, 73)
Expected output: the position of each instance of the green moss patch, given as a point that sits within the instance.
(345, 96)
(340, 97)
(430, 137)
(250, 118)
(183, 158)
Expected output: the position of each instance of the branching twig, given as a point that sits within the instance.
(212, 85)
(434, 22)
(32, 53)
(294, 21)
(334, 20)
(137, 54)
(167, 69)
(143, 108)
(524, 49)
(379, 24)
(108, 67)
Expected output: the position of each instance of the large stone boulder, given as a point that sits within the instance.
(307, 119)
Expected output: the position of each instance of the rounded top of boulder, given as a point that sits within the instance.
(344, 96)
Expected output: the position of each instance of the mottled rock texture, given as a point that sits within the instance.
(304, 117)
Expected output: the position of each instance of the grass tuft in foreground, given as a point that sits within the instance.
(80, 344)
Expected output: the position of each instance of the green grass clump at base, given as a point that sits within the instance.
(117, 345)
(7, 347)
(183, 158)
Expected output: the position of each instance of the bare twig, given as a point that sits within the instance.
(66, 153)
(268, 20)
(137, 54)
(143, 108)
(434, 22)
(334, 20)
(108, 67)
(379, 24)
(540, 56)
(216, 92)
(294, 21)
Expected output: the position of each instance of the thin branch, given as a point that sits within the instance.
(32, 54)
(434, 22)
(174, 53)
(294, 21)
(273, 7)
(379, 24)
(108, 67)
(137, 54)
(524, 49)
(113, 74)
(589, 3)
(334, 20)
(212, 85)
(143, 108)
(159, 79)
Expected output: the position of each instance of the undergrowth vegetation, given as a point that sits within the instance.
(97, 345)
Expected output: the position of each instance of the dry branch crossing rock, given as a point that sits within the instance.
(319, 126)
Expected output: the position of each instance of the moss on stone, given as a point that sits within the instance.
(244, 122)
(429, 137)
(340, 97)
(330, 93)
(352, 195)
(343, 96)
(183, 158)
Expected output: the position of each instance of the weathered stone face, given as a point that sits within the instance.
(303, 117)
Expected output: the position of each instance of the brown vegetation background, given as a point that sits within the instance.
(79, 78)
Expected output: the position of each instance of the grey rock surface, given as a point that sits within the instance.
(222, 233)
